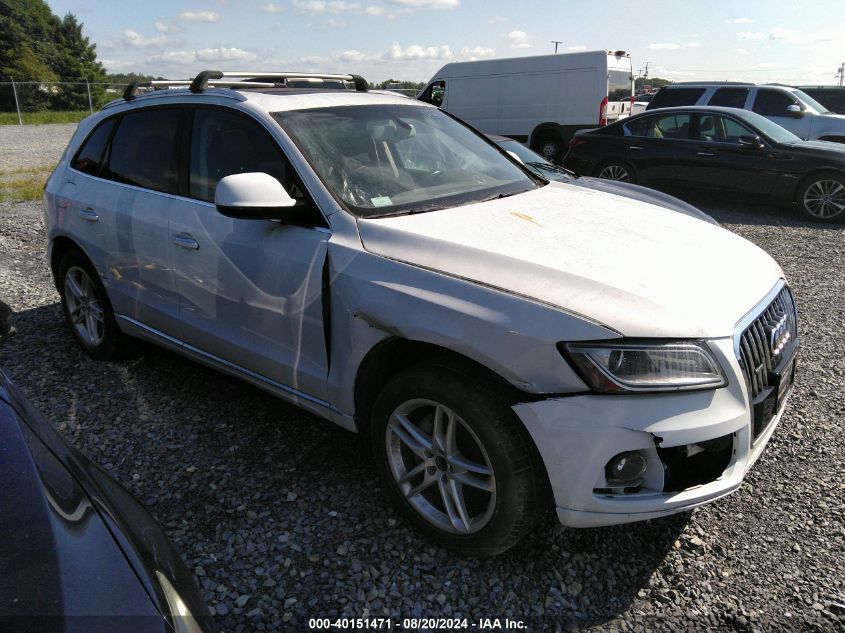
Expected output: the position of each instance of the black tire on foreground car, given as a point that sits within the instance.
(88, 311)
(456, 461)
(821, 197)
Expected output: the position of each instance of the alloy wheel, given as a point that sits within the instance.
(825, 198)
(615, 172)
(83, 306)
(440, 466)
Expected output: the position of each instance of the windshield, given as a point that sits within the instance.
(535, 162)
(390, 159)
(808, 100)
(770, 128)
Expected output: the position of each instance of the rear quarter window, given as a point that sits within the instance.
(90, 156)
(670, 97)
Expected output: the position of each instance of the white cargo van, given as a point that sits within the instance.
(540, 100)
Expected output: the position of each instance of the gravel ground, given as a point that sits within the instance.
(33, 145)
(280, 515)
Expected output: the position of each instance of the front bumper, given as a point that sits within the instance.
(577, 435)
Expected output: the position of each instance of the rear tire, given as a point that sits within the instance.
(456, 460)
(617, 170)
(88, 311)
(821, 198)
(551, 147)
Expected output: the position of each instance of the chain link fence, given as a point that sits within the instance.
(36, 101)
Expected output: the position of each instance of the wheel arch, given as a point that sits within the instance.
(548, 127)
(392, 355)
(60, 246)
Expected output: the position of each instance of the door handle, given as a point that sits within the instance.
(183, 240)
(635, 147)
(703, 153)
(88, 214)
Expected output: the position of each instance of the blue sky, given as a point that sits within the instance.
(759, 40)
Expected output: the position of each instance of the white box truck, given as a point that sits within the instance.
(539, 100)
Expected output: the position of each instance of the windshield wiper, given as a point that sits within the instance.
(499, 196)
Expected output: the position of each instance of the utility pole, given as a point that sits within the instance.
(556, 43)
(841, 73)
(645, 74)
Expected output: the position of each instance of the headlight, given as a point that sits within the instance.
(625, 367)
(183, 620)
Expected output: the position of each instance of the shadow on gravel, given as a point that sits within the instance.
(270, 502)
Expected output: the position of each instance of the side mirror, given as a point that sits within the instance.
(253, 196)
(794, 110)
(751, 142)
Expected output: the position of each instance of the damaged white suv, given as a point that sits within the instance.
(508, 344)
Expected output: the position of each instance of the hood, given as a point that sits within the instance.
(57, 548)
(829, 149)
(642, 270)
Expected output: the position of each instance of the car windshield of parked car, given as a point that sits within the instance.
(770, 128)
(808, 100)
(391, 159)
(535, 162)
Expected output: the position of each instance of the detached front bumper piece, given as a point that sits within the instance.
(694, 446)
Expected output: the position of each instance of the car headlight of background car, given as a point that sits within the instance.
(634, 367)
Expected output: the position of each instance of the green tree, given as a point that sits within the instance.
(76, 60)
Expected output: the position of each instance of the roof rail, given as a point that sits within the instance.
(205, 77)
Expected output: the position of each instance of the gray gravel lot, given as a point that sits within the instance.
(280, 514)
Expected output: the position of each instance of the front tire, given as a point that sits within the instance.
(88, 311)
(551, 147)
(617, 170)
(456, 460)
(821, 198)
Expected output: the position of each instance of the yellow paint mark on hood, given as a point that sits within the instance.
(526, 217)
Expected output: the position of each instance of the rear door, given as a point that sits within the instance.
(659, 147)
(250, 291)
(133, 207)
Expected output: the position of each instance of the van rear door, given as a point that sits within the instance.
(620, 89)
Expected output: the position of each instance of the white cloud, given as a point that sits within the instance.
(743, 51)
(692, 45)
(375, 11)
(199, 16)
(316, 7)
(272, 7)
(477, 52)
(415, 52)
(314, 59)
(428, 4)
(353, 56)
(576, 49)
(224, 55)
(664, 46)
(739, 21)
(163, 27)
(136, 40)
(751, 35)
(519, 39)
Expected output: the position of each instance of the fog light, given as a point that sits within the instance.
(625, 467)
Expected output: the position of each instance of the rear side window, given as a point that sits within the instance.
(223, 143)
(144, 150)
(729, 97)
(670, 97)
(772, 102)
(675, 126)
(90, 155)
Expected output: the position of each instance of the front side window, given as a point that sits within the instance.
(389, 159)
(223, 143)
(434, 93)
(144, 151)
(620, 86)
(674, 126)
(718, 129)
(90, 156)
(772, 103)
(729, 97)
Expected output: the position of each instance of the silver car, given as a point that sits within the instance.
(507, 343)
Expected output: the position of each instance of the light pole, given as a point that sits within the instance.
(556, 43)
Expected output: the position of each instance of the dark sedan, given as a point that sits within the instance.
(717, 148)
(79, 553)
